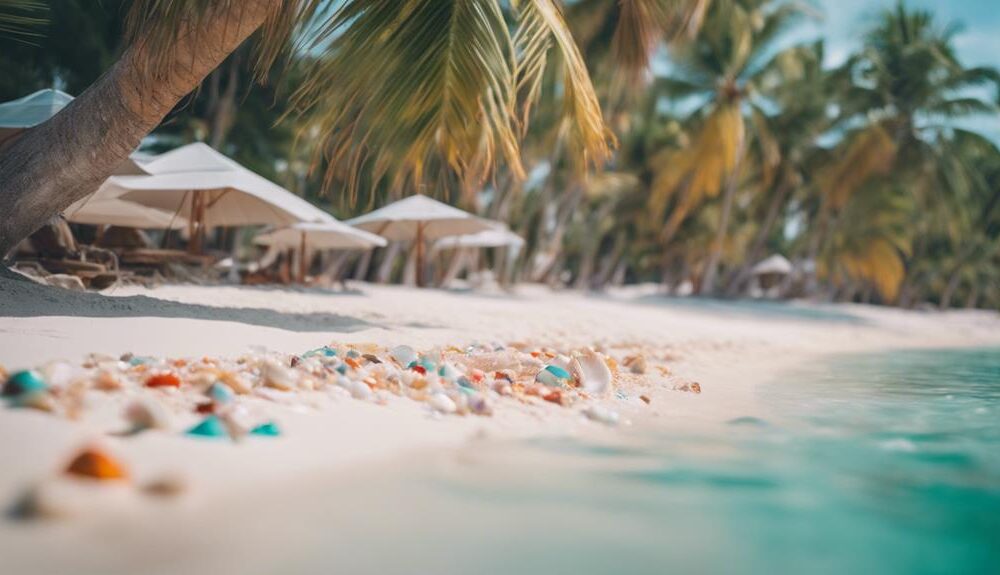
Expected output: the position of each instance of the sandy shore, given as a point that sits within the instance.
(728, 348)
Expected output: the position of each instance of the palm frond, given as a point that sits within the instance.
(541, 28)
(868, 153)
(20, 19)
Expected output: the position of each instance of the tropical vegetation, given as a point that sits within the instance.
(670, 141)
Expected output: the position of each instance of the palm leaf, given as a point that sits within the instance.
(19, 18)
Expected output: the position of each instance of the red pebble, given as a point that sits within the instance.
(554, 397)
(206, 408)
(419, 369)
(163, 380)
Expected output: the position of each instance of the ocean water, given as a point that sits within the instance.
(884, 463)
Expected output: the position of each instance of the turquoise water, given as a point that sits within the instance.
(868, 464)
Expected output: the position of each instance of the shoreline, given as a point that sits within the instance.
(730, 354)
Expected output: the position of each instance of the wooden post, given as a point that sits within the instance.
(302, 259)
(420, 254)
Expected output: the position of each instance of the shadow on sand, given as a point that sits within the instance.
(20, 297)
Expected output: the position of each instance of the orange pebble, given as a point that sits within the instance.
(165, 379)
(95, 464)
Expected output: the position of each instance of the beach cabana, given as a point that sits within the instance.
(309, 236)
(210, 190)
(419, 219)
(18, 115)
(769, 273)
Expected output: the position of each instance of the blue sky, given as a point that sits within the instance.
(844, 23)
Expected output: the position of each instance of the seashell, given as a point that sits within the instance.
(635, 364)
(601, 415)
(357, 389)
(210, 427)
(553, 376)
(58, 373)
(144, 414)
(592, 372)
(479, 405)
(442, 403)
(23, 382)
(236, 382)
(403, 355)
(449, 372)
(108, 380)
(279, 377)
(163, 379)
(645, 399)
(269, 429)
(92, 463)
(167, 485)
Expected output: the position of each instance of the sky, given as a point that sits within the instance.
(844, 23)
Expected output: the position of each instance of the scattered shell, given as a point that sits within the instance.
(553, 376)
(220, 394)
(443, 403)
(279, 376)
(692, 387)
(635, 364)
(167, 485)
(93, 463)
(601, 415)
(592, 372)
(145, 414)
(645, 399)
(236, 382)
(403, 355)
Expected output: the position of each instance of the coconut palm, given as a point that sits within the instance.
(421, 83)
(906, 80)
(723, 67)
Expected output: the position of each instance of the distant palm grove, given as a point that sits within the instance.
(679, 142)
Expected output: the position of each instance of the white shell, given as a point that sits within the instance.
(146, 414)
(279, 376)
(404, 355)
(592, 372)
(601, 415)
(443, 403)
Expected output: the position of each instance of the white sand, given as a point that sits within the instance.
(729, 352)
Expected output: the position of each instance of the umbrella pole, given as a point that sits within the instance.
(302, 259)
(420, 254)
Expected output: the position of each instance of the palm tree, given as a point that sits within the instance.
(723, 66)
(422, 83)
(905, 81)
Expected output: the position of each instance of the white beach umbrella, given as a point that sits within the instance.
(116, 212)
(498, 237)
(420, 218)
(305, 236)
(776, 264)
(209, 190)
(33, 109)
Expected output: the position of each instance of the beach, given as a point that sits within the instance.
(730, 349)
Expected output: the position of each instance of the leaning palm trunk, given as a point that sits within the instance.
(68, 157)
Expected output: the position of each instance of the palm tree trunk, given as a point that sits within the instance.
(757, 247)
(66, 158)
(712, 266)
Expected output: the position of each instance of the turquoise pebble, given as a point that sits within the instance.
(211, 426)
(23, 383)
(269, 429)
